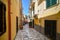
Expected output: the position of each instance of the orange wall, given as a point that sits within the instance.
(15, 11)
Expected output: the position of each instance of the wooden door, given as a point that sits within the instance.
(50, 29)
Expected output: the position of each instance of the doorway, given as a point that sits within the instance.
(50, 29)
(16, 24)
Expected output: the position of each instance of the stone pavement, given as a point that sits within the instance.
(29, 34)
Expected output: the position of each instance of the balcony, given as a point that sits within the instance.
(32, 3)
(40, 1)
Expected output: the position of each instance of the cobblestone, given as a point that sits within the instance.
(29, 34)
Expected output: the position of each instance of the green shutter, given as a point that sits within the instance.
(47, 3)
(50, 3)
(54, 2)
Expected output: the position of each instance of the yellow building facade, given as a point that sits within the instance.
(13, 11)
(47, 16)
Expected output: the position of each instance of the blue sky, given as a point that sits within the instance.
(25, 5)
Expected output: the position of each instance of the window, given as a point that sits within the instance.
(2, 18)
(33, 10)
(50, 3)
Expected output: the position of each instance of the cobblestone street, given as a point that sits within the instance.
(29, 34)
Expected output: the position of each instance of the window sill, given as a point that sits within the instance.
(1, 33)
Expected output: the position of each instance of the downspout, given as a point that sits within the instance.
(9, 21)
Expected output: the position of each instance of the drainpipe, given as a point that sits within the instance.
(9, 21)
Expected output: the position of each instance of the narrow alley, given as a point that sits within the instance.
(29, 19)
(29, 34)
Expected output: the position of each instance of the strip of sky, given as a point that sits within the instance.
(25, 4)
